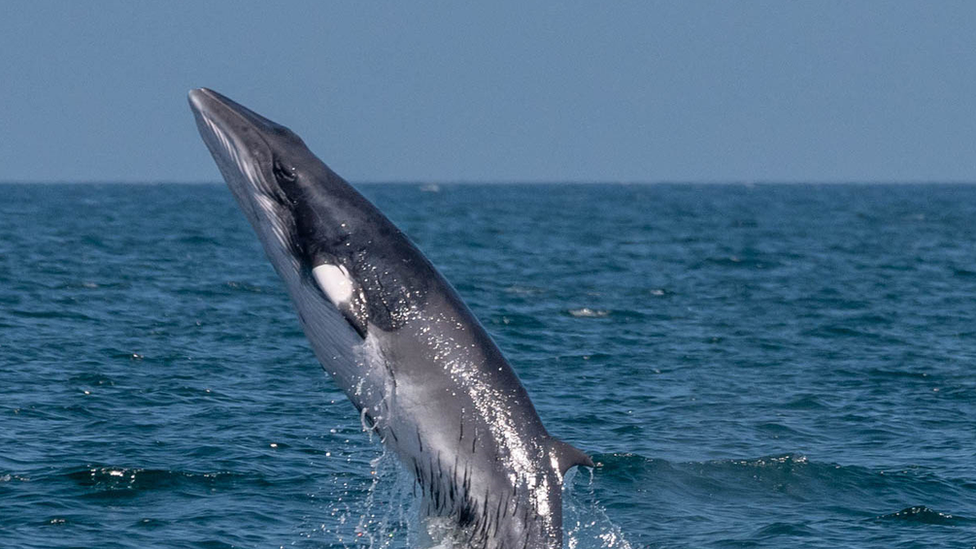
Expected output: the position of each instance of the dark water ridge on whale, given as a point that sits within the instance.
(750, 366)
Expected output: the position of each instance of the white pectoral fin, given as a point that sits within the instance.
(340, 288)
(335, 283)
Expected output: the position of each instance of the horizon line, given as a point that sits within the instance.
(540, 182)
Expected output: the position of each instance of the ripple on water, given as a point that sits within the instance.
(767, 366)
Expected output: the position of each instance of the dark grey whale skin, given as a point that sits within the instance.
(411, 357)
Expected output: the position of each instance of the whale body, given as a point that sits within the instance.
(395, 337)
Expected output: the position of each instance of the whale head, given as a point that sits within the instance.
(293, 200)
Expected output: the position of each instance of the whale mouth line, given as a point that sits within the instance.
(245, 158)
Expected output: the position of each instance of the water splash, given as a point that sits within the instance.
(390, 504)
(585, 520)
(378, 512)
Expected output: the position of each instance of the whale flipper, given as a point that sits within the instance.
(568, 456)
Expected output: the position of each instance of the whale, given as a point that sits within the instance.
(396, 337)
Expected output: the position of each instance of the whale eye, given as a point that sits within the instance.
(283, 174)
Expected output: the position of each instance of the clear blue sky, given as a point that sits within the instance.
(500, 91)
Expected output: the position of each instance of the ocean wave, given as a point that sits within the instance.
(924, 515)
(861, 490)
(112, 479)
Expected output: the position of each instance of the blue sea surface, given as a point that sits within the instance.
(750, 366)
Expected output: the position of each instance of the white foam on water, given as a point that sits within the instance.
(586, 312)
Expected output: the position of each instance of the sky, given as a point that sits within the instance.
(444, 91)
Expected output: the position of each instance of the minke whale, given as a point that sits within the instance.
(396, 338)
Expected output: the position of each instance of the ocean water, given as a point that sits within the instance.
(750, 366)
